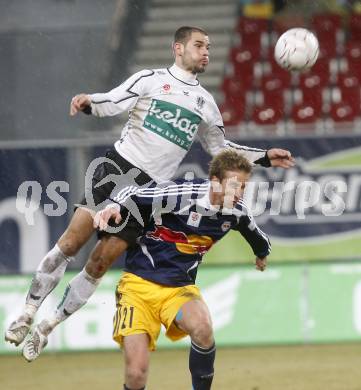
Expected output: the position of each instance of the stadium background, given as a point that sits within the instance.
(311, 293)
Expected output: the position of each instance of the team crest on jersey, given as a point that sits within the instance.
(165, 89)
(200, 102)
(226, 225)
(194, 219)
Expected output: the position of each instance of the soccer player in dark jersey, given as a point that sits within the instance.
(158, 285)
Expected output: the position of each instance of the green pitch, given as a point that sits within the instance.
(322, 367)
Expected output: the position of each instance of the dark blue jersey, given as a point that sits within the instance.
(180, 226)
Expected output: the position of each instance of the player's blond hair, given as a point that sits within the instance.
(228, 160)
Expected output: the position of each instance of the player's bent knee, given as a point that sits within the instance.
(136, 375)
(96, 266)
(107, 250)
(69, 244)
(202, 334)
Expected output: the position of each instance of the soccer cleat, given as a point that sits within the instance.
(18, 330)
(37, 341)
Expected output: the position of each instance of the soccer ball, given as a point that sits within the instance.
(297, 49)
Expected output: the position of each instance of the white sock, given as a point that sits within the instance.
(50, 270)
(30, 310)
(76, 295)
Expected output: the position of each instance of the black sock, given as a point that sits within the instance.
(127, 388)
(201, 362)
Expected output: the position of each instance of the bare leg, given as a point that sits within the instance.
(107, 250)
(195, 320)
(136, 356)
(78, 232)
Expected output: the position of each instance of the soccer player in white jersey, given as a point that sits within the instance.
(167, 109)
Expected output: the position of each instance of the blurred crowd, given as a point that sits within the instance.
(300, 9)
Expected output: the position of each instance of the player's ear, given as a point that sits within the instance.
(178, 48)
(216, 185)
(214, 178)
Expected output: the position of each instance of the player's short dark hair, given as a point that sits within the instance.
(183, 34)
(228, 160)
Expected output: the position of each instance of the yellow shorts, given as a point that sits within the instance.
(142, 306)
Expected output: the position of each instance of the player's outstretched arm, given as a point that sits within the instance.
(124, 97)
(79, 103)
(212, 138)
(102, 217)
(261, 263)
(213, 141)
(274, 157)
(256, 238)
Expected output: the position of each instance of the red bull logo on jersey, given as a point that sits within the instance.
(226, 226)
(187, 244)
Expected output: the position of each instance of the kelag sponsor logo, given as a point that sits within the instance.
(174, 123)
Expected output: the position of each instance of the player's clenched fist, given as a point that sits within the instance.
(261, 263)
(280, 158)
(102, 217)
(78, 103)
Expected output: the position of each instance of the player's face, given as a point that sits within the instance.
(195, 53)
(230, 190)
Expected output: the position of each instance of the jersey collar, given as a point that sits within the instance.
(183, 76)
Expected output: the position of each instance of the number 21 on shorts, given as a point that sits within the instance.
(123, 318)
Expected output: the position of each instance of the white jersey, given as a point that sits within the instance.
(167, 110)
